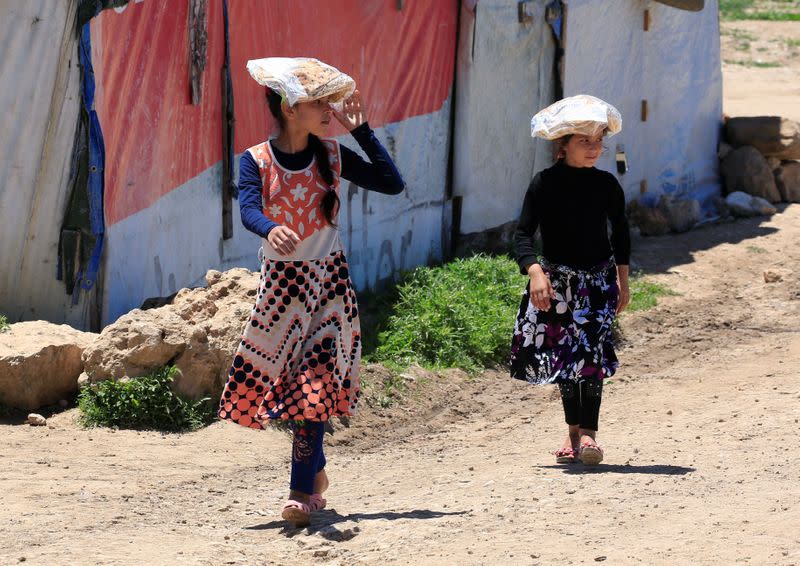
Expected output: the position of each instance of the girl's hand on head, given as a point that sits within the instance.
(541, 290)
(283, 240)
(353, 113)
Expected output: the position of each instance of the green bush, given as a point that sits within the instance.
(462, 314)
(3, 323)
(143, 403)
(457, 315)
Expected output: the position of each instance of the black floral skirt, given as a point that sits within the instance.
(573, 340)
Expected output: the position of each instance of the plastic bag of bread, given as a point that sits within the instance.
(301, 79)
(581, 114)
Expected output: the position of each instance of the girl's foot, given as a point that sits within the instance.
(297, 513)
(590, 453)
(568, 451)
(316, 502)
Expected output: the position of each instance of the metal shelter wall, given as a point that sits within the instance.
(504, 75)
(674, 70)
(40, 105)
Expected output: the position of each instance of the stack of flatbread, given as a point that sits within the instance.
(301, 79)
(581, 114)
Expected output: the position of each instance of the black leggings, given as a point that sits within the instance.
(581, 401)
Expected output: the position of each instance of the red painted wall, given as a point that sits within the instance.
(156, 140)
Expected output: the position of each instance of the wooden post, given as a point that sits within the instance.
(647, 20)
(644, 110)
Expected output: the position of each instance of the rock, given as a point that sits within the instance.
(744, 205)
(776, 275)
(35, 419)
(63, 403)
(746, 170)
(723, 150)
(650, 221)
(681, 215)
(787, 180)
(773, 136)
(773, 162)
(40, 363)
(722, 207)
(198, 332)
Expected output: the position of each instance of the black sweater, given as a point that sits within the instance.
(572, 207)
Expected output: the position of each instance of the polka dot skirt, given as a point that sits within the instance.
(300, 352)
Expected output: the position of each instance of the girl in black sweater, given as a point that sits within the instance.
(576, 288)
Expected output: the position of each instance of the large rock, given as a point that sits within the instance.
(787, 179)
(198, 332)
(40, 363)
(681, 215)
(650, 221)
(746, 170)
(771, 135)
(744, 205)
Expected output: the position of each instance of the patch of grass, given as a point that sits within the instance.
(457, 315)
(388, 390)
(777, 10)
(756, 249)
(3, 323)
(792, 43)
(759, 64)
(645, 293)
(740, 34)
(144, 403)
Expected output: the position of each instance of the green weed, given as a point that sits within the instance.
(146, 403)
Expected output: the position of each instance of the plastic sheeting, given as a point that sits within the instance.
(504, 76)
(675, 68)
(40, 104)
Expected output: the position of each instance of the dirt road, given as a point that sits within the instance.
(699, 427)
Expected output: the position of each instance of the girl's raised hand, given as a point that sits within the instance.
(353, 113)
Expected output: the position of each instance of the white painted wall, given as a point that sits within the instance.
(39, 108)
(675, 67)
(504, 76)
(174, 242)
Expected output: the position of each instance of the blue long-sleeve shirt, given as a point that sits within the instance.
(378, 174)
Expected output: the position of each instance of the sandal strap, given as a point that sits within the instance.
(316, 502)
(294, 504)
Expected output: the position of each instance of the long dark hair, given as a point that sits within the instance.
(330, 202)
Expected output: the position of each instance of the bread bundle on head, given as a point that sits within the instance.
(301, 79)
(581, 115)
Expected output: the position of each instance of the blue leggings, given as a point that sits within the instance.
(308, 458)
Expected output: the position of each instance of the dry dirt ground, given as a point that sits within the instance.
(699, 427)
(761, 68)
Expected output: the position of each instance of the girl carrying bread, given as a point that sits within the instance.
(299, 356)
(579, 282)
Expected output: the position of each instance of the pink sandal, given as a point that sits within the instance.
(316, 502)
(565, 456)
(296, 512)
(590, 454)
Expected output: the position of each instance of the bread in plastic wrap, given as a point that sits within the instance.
(581, 114)
(301, 79)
